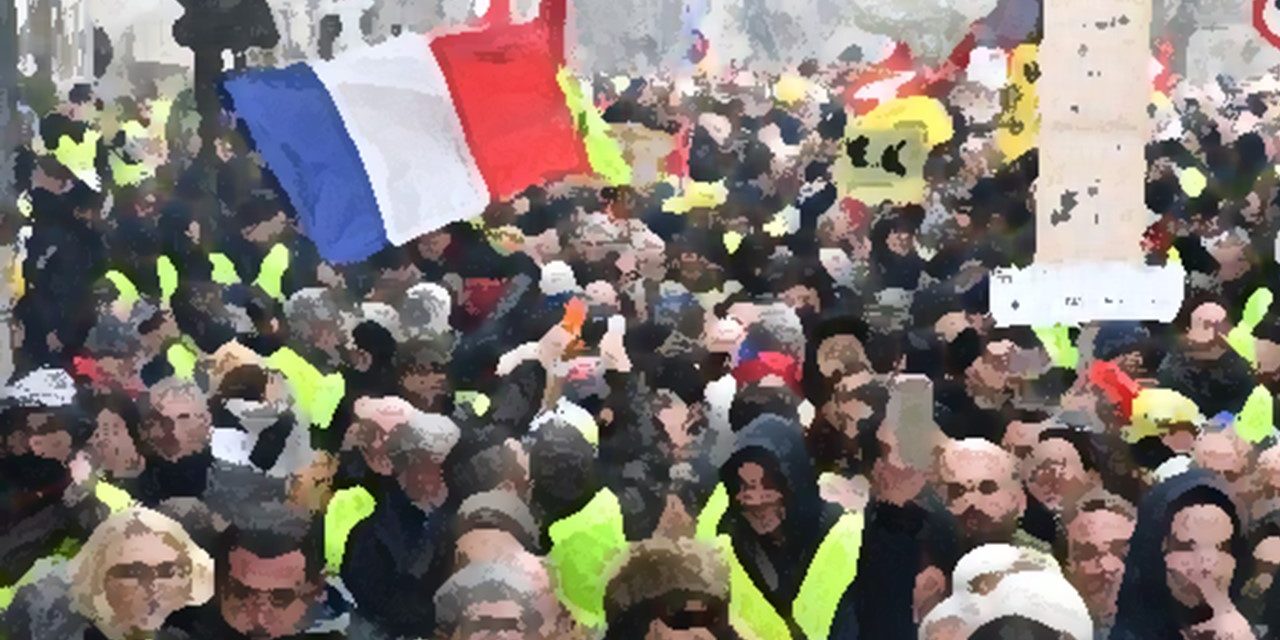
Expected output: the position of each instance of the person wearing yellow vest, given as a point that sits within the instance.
(312, 361)
(581, 522)
(908, 543)
(1256, 420)
(48, 504)
(792, 557)
(264, 250)
(1201, 364)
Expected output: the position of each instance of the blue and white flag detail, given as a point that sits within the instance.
(389, 142)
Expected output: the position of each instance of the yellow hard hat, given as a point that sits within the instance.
(1154, 410)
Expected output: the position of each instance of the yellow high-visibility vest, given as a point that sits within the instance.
(583, 547)
(115, 499)
(1241, 336)
(270, 275)
(1253, 423)
(318, 394)
(832, 570)
(346, 509)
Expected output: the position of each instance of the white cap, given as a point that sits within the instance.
(425, 310)
(998, 580)
(557, 278)
(385, 316)
(42, 388)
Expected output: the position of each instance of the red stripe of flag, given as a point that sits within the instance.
(503, 82)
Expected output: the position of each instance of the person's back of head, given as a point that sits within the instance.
(1016, 627)
(499, 511)
(562, 470)
(755, 400)
(488, 597)
(497, 467)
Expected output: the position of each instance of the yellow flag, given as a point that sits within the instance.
(603, 151)
(885, 150)
(1019, 118)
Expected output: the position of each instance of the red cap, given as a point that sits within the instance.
(768, 363)
(1119, 387)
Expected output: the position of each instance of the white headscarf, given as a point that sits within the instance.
(999, 580)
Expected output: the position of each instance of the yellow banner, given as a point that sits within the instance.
(885, 150)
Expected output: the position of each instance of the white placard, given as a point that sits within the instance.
(1075, 293)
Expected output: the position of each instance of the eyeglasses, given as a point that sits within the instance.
(278, 598)
(492, 626)
(956, 490)
(143, 572)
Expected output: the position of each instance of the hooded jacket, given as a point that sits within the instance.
(1220, 384)
(1147, 609)
(778, 570)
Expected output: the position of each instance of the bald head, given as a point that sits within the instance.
(969, 451)
(979, 483)
(1208, 324)
(1226, 454)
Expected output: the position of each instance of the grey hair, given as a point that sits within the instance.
(484, 582)
(425, 310)
(169, 387)
(312, 306)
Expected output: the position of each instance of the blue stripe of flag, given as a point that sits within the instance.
(297, 128)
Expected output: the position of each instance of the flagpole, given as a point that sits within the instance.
(9, 139)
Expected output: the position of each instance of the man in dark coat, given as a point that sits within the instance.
(399, 556)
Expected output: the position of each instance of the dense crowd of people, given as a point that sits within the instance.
(735, 402)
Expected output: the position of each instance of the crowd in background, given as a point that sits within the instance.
(689, 408)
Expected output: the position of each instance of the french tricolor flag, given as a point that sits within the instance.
(389, 142)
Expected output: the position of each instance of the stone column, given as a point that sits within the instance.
(1090, 210)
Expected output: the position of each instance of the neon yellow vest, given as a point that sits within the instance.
(832, 570)
(1241, 336)
(346, 509)
(222, 271)
(115, 499)
(583, 548)
(1254, 420)
(318, 394)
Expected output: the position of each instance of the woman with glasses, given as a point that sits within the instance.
(136, 570)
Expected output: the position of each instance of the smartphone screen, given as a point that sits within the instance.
(911, 414)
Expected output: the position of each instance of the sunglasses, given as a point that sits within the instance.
(143, 572)
(278, 598)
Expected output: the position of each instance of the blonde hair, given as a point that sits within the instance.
(88, 570)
